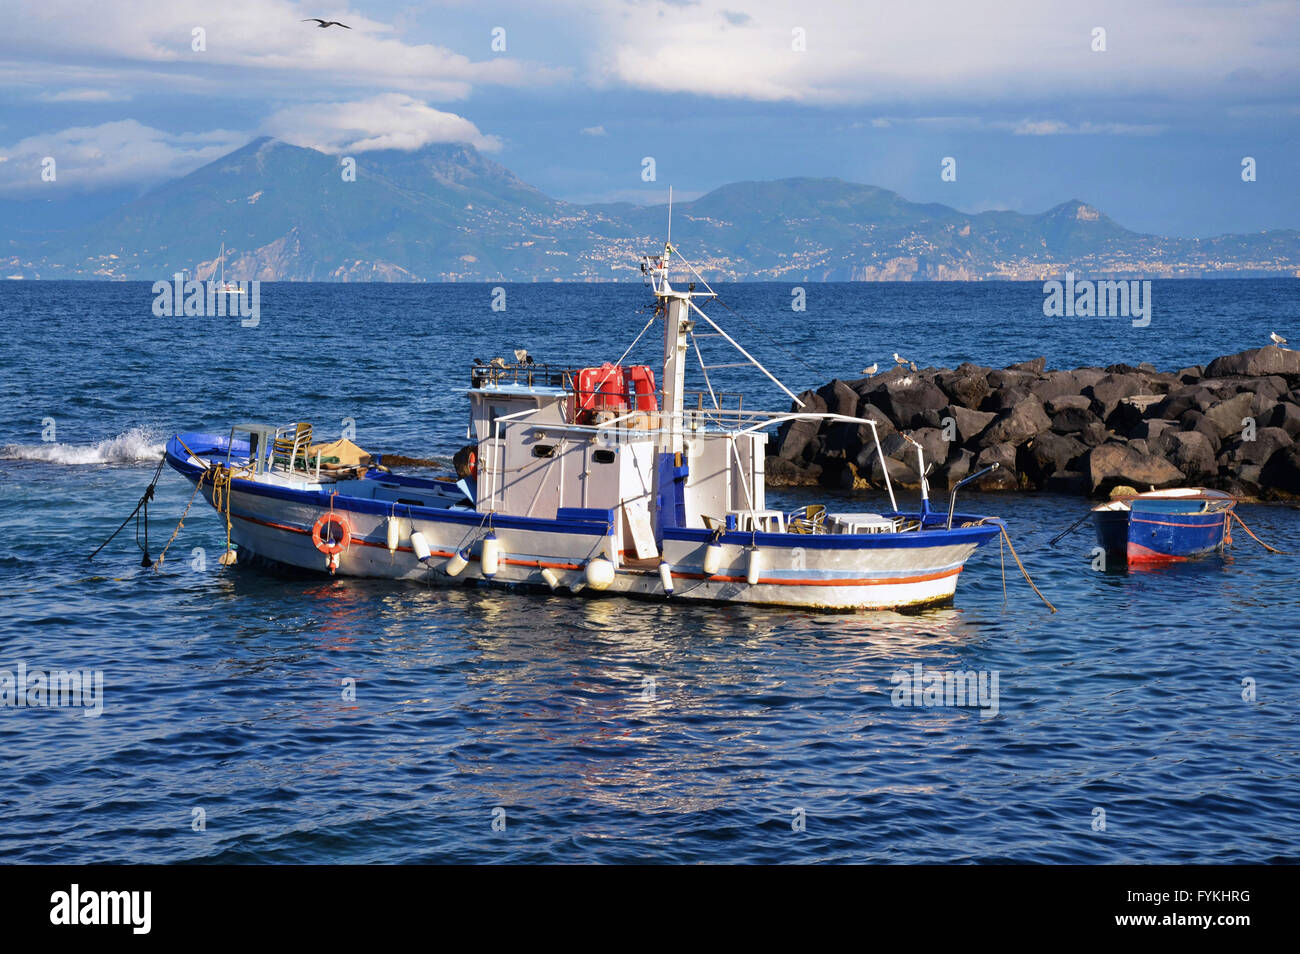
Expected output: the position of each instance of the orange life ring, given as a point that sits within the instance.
(329, 548)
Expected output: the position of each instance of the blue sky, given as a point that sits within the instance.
(1152, 129)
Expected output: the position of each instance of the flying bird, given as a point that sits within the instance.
(1277, 338)
(326, 23)
(872, 369)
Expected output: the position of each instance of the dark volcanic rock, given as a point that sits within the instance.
(794, 436)
(1129, 413)
(967, 386)
(1113, 464)
(1073, 419)
(1005, 477)
(933, 443)
(1027, 419)
(1010, 378)
(916, 403)
(1049, 453)
(839, 398)
(783, 473)
(1256, 362)
(1286, 416)
(1151, 429)
(1094, 434)
(1107, 392)
(1067, 482)
(1267, 441)
(958, 468)
(1231, 425)
(1076, 401)
(970, 424)
(1036, 366)
(1056, 384)
(1191, 452)
(1282, 470)
(1228, 417)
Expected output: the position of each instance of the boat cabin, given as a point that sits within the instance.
(591, 439)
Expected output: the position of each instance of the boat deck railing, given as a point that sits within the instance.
(731, 422)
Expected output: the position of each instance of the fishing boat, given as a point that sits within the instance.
(597, 478)
(223, 287)
(1164, 526)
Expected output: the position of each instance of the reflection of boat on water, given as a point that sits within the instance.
(223, 287)
(1164, 526)
(592, 478)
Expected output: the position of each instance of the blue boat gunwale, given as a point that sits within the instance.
(178, 457)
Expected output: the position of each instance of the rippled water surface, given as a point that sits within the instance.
(607, 730)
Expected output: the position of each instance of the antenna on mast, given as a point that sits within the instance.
(670, 215)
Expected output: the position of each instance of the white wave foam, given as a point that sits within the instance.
(137, 444)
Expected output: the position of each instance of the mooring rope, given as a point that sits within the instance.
(180, 523)
(1012, 547)
(143, 503)
(1233, 514)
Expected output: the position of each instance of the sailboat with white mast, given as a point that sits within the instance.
(586, 479)
(224, 287)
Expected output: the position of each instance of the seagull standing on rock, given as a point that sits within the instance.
(1277, 338)
(899, 361)
(869, 371)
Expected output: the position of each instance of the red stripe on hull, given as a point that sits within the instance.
(1140, 554)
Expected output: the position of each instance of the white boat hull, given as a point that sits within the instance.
(793, 575)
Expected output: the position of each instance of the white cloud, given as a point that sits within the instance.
(386, 121)
(83, 96)
(592, 131)
(1053, 127)
(91, 157)
(946, 51)
(250, 44)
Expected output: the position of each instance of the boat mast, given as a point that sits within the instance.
(677, 326)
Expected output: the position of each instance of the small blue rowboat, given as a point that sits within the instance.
(1164, 526)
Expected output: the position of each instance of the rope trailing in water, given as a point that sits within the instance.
(1011, 546)
(142, 505)
(1002, 558)
(1233, 514)
(180, 523)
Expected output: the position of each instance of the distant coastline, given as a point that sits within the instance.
(445, 213)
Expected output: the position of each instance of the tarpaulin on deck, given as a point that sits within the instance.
(339, 453)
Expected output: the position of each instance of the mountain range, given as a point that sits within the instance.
(447, 213)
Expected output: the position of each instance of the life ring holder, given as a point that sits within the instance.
(331, 547)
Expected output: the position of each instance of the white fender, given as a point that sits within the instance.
(755, 566)
(666, 578)
(490, 556)
(421, 546)
(712, 558)
(455, 564)
(600, 573)
(551, 578)
(394, 533)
